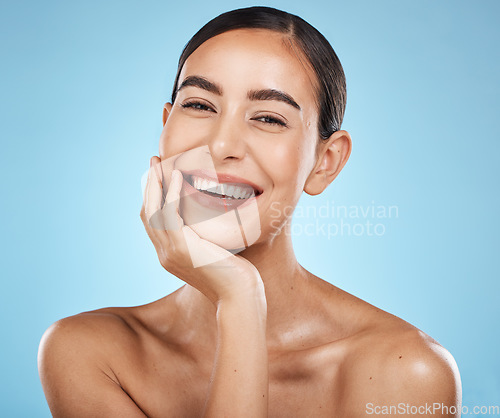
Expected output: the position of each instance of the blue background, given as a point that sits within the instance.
(83, 85)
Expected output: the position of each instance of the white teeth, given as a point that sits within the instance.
(212, 185)
(231, 191)
(218, 188)
(204, 184)
(222, 189)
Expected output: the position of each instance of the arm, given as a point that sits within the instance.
(239, 384)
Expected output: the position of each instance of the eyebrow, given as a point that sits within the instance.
(264, 94)
(272, 94)
(202, 83)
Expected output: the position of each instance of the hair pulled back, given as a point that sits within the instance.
(331, 89)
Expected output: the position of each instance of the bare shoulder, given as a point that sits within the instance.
(90, 332)
(383, 362)
(395, 365)
(75, 362)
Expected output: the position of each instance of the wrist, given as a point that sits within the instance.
(247, 300)
(244, 293)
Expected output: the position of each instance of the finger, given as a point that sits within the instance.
(144, 215)
(145, 211)
(161, 168)
(166, 166)
(204, 252)
(172, 219)
(153, 197)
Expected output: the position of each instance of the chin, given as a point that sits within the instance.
(231, 231)
(224, 234)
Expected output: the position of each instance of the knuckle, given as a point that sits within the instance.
(164, 261)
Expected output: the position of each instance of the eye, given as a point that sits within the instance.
(269, 120)
(197, 106)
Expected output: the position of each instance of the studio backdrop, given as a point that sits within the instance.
(410, 225)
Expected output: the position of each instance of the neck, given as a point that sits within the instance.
(285, 282)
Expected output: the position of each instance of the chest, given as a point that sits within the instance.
(300, 385)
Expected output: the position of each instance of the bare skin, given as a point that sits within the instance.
(262, 337)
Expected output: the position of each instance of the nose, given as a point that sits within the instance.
(226, 142)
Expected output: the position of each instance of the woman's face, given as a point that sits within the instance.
(245, 108)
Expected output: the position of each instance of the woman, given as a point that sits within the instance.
(254, 120)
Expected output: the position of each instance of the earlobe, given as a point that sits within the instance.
(166, 112)
(332, 157)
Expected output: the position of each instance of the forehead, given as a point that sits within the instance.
(245, 59)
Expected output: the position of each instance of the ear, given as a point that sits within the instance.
(332, 157)
(166, 111)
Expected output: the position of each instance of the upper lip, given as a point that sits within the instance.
(222, 178)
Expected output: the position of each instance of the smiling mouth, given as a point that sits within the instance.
(229, 191)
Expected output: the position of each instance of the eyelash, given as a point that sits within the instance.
(202, 107)
(272, 121)
(194, 104)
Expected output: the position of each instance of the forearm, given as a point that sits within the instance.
(239, 385)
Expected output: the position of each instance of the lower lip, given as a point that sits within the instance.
(219, 203)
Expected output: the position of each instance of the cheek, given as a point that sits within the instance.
(289, 162)
(178, 136)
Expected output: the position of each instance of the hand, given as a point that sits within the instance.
(227, 277)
